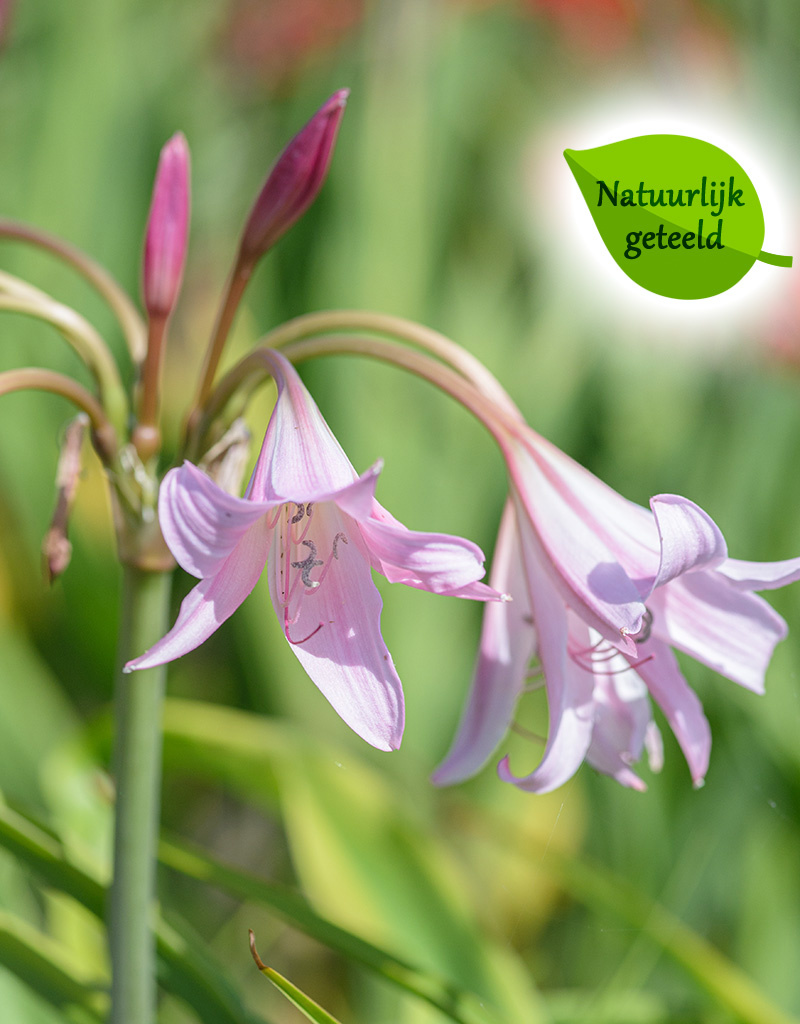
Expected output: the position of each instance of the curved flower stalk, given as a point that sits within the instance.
(316, 525)
(602, 590)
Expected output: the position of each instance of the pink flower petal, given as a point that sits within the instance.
(436, 562)
(358, 498)
(300, 459)
(690, 539)
(585, 571)
(507, 643)
(760, 575)
(581, 568)
(622, 716)
(731, 631)
(658, 667)
(569, 687)
(334, 629)
(212, 601)
(201, 523)
(627, 529)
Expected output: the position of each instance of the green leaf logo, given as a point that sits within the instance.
(678, 215)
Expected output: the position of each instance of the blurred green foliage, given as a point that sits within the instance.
(428, 213)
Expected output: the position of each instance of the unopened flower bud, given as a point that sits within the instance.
(167, 229)
(294, 181)
(56, 548)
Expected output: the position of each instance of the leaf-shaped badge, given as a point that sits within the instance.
(678, 215)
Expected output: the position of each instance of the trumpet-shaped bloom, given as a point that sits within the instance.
(602, 590)
(316, 525)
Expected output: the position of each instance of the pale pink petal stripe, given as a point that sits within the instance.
(732, 631)
(621, 719)
(583, 571)
(627, 529)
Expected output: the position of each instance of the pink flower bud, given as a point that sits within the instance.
(294, 181)
(167, 229)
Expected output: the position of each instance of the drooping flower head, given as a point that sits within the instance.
(602, 590)
(318, 528)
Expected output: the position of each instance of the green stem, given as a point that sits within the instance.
(234, 290)
(80, 335)
(137, 771)
(36, 379)
(499, 419)
(126, 313)
(354, 321)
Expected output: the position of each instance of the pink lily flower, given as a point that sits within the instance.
(316, 525)
(602, 589)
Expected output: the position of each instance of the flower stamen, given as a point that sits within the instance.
(527, 734)
(273, 522)
(334, 554)
(647, 625)
(307, 564)
(287, 622)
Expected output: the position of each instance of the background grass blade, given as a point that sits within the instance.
(307, 1006)
(183, 967)
(460, 1006)
(49, 970)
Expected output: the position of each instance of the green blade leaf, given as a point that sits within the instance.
(305, 1004)
(184, 968)
(679, 215)
(462, 1007)
(408, 899)
(42, 852)
(49, 970)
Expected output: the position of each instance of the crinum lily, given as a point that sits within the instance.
(316, 525)
(602, 587)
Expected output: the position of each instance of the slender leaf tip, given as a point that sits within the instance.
(254, 952)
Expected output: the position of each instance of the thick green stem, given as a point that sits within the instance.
(137, 772)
